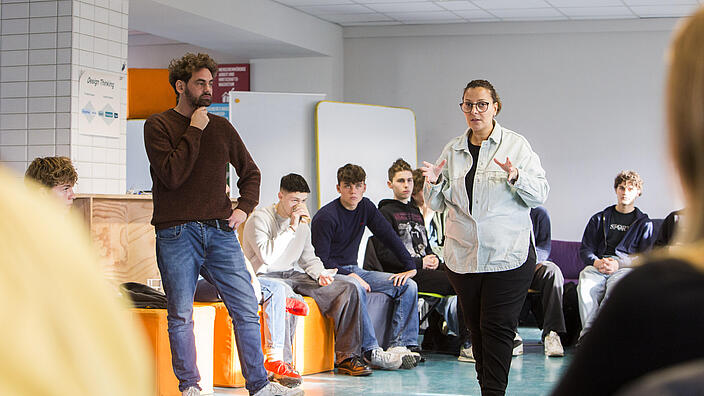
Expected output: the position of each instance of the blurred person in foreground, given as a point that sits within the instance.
(654, 318)
(64, 332)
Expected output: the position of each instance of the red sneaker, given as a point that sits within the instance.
(283, 373)
(296, 307)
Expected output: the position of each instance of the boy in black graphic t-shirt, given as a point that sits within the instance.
(610, 239)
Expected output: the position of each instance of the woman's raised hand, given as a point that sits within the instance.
(431, 171)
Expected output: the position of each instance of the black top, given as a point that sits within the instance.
(469, 178)
(620, 223)
(667, 229)
(654, 319)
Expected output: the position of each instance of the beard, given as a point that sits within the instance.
(197, 101)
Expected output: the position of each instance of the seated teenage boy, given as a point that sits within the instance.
(336, 232)
(610, 239)
(277, 241)
(57, 174)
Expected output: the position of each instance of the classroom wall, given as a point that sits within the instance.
(588, 95)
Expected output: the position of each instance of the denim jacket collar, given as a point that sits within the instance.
(495, 136)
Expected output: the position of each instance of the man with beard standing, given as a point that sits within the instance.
(188, 152)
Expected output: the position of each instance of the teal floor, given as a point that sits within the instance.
(442, 375)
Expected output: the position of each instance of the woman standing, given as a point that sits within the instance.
(654, 318)
(488, 179)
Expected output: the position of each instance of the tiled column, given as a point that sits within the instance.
(45, 46)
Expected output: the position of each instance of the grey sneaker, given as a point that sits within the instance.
(384, 360)
(517, 345)
(553, 345)
(274, 389)
(408, 359)
(191, 391)
(466, 355)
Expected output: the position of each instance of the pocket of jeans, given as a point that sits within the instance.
(171, 233)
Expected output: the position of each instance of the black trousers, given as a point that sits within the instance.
(491, 303)
(434, 281)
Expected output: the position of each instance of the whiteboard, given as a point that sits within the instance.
(138, 176)
(279, 132)
(370, 136)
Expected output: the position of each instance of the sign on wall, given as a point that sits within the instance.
(233, 77)
(99, 103)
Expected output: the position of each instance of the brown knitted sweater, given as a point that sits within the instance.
(188, 168)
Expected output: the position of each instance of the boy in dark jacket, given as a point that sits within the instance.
(610, 240)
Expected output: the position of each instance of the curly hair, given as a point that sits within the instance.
(486, 85)
(52, 171)
(351, 173)
(398, 166)
(629, 177)
(182, 69)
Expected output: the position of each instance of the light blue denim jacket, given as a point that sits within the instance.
(496, 235)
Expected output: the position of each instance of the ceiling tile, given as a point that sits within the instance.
(532, 13)
(335, 9)
(388, 1)
(457, 5)
(658, 2)
(597, 12)
(424, 16)
(497, 4)
(404, 7)
(663, 11)
(474, 14)
(356, 18)
(298, 3)
(585, 3)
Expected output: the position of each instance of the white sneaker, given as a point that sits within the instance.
(191, 391)
(384, 360)
(517, 345)
(275, 389)
(553, 345)
(466, 355)
(409, 359)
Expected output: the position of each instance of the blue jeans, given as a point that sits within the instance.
(404, 325)
(182, 252)
(279, 325)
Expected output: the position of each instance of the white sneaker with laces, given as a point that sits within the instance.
(275, 389)
(553, 345)
(409, 359)
(466, 355)
(384, 360)
(517, 345)
(191, 391)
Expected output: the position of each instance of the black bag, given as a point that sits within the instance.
(570, 308)
(143, 296)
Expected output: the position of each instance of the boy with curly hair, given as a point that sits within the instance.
(55, 173)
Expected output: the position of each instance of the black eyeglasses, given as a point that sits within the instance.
(481, 106)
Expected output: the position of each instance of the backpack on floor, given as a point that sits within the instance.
(143, 296)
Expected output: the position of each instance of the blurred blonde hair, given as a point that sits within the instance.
(685, 121)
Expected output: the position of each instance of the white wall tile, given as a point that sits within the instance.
(87, 11)
(17, 168)
(65, 8)
(124, 36)
(40, 151)
(43, 9)
(63, 120)
(86, 58)
(100, 45)
(100, 61)
(42, 73)
(13, 73)
(115, 18)
(113, 187)
(13, 153)
(63, 104)
(125, 21)
(14, 42)
(63, 55)
(63, 72)
(86, 26)
(85, 140)
(85, 42)
(42, 57)
(100, 30)
(122, 186)
(41, 120)
(42, 40)
(13, 121)
(17, 10)
(13, 58)
(63, 40)
(115, 48)
(15, 26)
(125, 7)
(113, 157)
(84, 186)
(14, 105)
(43, 25)
(13, 89)
(64, 23)
(63, 88)
(84, 169)
(100, 141)
(102, 3)
(13, 137)
(124, 50)
(101, 15)
(114, 64)
(41, 88)
(63, 136)
(38, 137)
(63, 150)
(115, 34)
(85, 153)
(41, 105)
(116, 5)
(100, 170)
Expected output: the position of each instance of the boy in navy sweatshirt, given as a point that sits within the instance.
(336, 231)
(610, 239)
